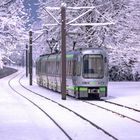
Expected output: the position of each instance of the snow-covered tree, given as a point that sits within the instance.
(13, 20)
(123, 41)
(120, 40)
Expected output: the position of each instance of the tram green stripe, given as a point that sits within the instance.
(83, 89)
(70, 88)
(76, 88)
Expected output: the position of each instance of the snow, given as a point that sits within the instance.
(21, 120)
(126, 93)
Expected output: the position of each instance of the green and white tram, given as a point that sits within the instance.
(86, 70)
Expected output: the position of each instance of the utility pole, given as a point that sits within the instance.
(63, 51)
(26, 60)
(30, 58)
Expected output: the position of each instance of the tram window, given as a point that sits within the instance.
(86, 66)
(57, 68)
(93, 66)
(42, 67)
(67, 68)
(54, 67)
(45, 67)
(39, 66)
(48, 67)
(51, 68)
(74, 67)
(78, 69)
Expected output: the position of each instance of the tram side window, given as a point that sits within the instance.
(70, 68)
(86, 66)
(50, 71)
(49, 67)
(39, 66)
(46, 67)
(37, 69)
(57, 68)
(67, 69)
(42, 67)
(54, 66)
(76, 68)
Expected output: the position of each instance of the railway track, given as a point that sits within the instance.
(17, 92)
(115, 112)
(64, 107)
(124, 106)
(95, 104)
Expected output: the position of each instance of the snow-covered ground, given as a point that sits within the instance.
(21, 120)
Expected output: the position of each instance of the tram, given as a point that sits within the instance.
(86, 72)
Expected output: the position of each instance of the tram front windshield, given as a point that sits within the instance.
(93, 66)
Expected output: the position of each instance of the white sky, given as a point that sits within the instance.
(20, 120)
